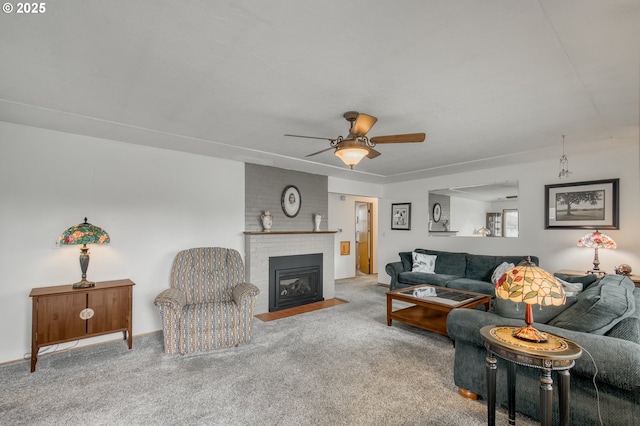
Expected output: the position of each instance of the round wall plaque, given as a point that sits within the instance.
(291, 201)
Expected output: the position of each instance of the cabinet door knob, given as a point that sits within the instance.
(87, 313)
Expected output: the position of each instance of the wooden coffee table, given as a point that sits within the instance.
(430, 313)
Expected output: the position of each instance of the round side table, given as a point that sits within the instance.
(556, 354)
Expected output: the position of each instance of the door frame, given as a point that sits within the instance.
(369, 237)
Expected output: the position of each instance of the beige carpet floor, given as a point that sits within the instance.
(335, 366)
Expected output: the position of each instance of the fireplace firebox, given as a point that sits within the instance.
(294, 281)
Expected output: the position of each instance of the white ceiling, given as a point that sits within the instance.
(488, 81)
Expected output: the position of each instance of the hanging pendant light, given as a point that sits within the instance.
(564, 163)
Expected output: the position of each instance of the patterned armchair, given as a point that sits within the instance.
(208, 305)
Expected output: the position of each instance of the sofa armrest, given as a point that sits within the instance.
(243, 291)
(393, 269)
(171, 298)
(617, 360)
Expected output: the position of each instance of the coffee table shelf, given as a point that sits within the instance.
(430, 313)
(418, 316)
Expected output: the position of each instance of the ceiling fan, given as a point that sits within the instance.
(356, 145)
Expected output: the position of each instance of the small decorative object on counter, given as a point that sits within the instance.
(623, 269)
(317, 218)
(267, 220)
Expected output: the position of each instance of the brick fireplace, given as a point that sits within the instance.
(261, 246)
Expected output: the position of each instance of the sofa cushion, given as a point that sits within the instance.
(415, 278)
(541, 314)
(423, 263)
(629, 328)
(480, 267)
(600, 307)
(448, 263)
(476, 286)
(406, 259)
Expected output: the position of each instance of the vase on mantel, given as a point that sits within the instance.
(317, 218)
(267, 221)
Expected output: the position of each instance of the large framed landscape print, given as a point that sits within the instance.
(582, 205)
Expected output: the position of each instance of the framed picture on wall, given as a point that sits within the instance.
(401, 216)
(582, 205)
(291, 201)
(437, 212)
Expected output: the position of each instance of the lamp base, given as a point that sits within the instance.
(530, 334)
(84, 284)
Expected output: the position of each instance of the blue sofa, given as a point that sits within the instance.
(462, 271)
(604, 319)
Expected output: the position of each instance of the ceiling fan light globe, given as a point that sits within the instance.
(351, 156)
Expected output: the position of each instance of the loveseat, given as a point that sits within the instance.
(604, 319)
(462, 271)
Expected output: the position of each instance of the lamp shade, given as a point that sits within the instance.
(84, 233)
(597, 240)
(531, 285)
(534, 286)
(483, 231)
(351, 155)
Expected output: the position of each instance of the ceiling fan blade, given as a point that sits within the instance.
(410, 137)
(310, 137)
(372, 153)
(362, 125)
(320, 152)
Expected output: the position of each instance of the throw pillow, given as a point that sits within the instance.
(599, 307)
(500, 271)
(586, 280)
(570, 289)
(423, 263)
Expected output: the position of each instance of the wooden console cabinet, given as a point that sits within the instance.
(63, 313)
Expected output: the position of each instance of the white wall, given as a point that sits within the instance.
(342, 217)
(467, 216)
(556, 248)
(152, 202)
(352, 187)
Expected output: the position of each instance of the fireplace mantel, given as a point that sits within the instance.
(287, 232)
